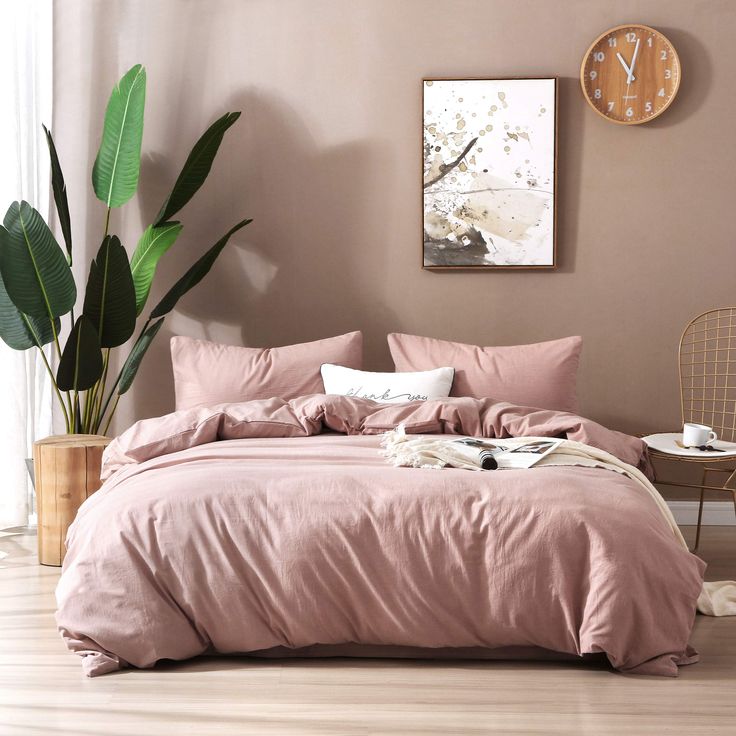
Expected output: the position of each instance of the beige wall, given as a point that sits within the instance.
(326, 159)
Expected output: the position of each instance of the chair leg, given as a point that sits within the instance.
(700, 509)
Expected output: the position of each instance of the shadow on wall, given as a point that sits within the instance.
(569, 167)
(104, 58)
(308, 265)
(697, 77)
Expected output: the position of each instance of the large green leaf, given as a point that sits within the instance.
(109, 301)
(131, 365)
(18, 330)
(196, 167)
(59, 189)
(80, 366)
(118, 162)
(154, 242)
(194, 275)
(33, 266)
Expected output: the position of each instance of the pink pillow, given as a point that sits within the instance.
(543, 375)
(206, 373)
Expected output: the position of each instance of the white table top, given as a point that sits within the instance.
(667, 442)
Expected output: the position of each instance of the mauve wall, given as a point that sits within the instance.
(327, 160)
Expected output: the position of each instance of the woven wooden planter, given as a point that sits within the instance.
(67, 471)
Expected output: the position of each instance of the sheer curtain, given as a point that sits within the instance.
(25, 88)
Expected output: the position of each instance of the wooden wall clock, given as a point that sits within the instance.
(630, 74)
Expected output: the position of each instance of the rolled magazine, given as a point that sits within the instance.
(492, 455)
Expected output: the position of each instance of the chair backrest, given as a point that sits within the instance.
(707, 358)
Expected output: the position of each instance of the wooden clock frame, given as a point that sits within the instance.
(609, 32)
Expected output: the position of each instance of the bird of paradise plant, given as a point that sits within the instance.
(37, 286)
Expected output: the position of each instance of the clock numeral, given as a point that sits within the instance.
(648, 107)
(612, 41)
(598, 94)
(599, 56)
(631, 37)
(610, 106)
(663, 55)
(667, 74)
(649, 42)
(592, 75)
(661, 92)
(629, 112)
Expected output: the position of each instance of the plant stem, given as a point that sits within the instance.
(96, 415)
(91, 408)
(85, 412)
(47, 365)
(75, 412)
(117, 382)
(56, 339)
(56, 388)
(58, 353)
(112, 413)
(68, 402)
(94, 396)
(92, 400)
(109, 399)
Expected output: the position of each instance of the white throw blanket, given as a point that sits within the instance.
(437, 451)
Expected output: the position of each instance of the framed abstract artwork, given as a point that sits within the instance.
(489, 176)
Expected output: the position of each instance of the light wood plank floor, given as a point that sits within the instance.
(42, 690)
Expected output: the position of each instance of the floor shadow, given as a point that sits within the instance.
(234, 662)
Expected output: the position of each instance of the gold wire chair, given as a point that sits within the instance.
(707, 368)
(707, 362)
(707, 357)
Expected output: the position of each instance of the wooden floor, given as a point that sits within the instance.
(43, 692)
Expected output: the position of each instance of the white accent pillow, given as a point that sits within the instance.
(388, 388)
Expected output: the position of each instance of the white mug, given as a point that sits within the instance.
(695, 435)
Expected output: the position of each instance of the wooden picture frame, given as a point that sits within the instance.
(493, 145)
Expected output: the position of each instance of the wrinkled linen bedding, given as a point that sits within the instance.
(244, 527)
(717, 598)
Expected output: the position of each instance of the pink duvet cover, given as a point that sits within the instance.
(242, 528)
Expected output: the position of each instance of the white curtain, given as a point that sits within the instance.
(25, 89)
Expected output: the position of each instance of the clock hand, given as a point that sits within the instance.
(624, 65)
(633, 61)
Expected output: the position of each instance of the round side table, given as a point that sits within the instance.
(667, 446)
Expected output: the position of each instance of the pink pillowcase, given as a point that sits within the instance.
(543, 375)
(206, 373)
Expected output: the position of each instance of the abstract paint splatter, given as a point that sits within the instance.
(489, 178)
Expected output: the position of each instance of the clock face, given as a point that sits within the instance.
(630, 74)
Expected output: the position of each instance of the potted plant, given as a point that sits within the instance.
(37, 287)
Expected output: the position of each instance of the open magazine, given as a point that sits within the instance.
(492, 455)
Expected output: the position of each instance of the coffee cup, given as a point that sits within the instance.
(697, 435)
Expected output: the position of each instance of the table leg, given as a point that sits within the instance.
(700, 508)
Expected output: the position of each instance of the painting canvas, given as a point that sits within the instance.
(489, 173)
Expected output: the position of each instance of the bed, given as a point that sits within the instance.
(277, 527)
